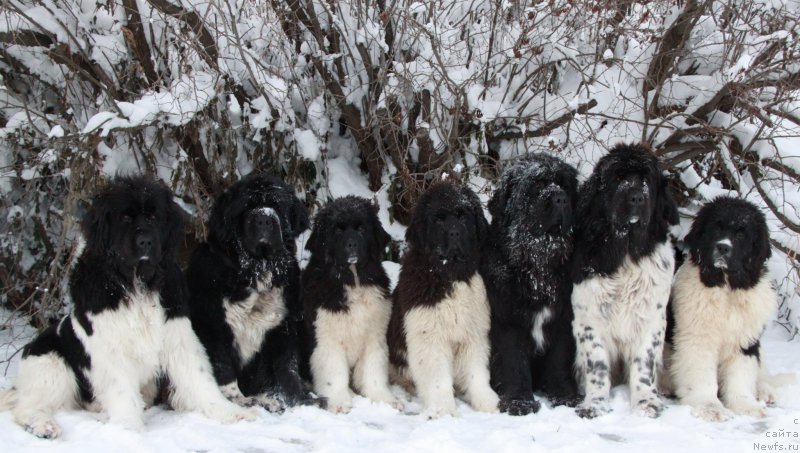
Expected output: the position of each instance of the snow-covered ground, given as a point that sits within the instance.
(374, 428)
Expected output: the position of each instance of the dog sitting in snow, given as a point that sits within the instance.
(346, 304)
(129, 323)
(722, 301)
(622, 268)
(439, 328)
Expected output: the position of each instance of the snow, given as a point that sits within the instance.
(372, 427)
(307, 144)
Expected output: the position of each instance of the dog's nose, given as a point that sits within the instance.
(723, 248)
(636, 199)
(351, 245)
(144, 241)
(560, 199)
(454, 234)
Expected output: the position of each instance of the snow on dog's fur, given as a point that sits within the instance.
(346, 304)
(622, 269)
(129, 323)
(721, 303)
(525, 266)
(438, 332)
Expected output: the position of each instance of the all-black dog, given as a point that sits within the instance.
(439, 330)
(526, 269)
(129, 324)
(346, 303)
(244, 284)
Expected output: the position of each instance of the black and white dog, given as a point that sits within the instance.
(721, 302)
(129, 323)
(439, 328)
(346, 304)
(526, 269)
(622, 269)
(244, 290)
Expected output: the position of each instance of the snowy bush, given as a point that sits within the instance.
(386, 96)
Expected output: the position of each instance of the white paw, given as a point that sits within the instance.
(339, 404)
(232, 414)
(593, 408)
(438, 410)
(751, 408)
(46, 429)
(712, 412)
(767, 394)
(270, 404)
(487, 402)
(649, 407)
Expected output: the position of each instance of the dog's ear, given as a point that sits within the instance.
(416, 231)
(692, 239)
(761, 246)
(316, 240)
(382, 238)
(665, 207)
(298, 217)
(96, 223)
(497, 204)
(174, 221)
(481, 225)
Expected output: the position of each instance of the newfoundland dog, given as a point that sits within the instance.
(622, 270)
(128, 324)
(346, 303)
(526, 269)
(439, 328)
(244, 290)
(721, 302)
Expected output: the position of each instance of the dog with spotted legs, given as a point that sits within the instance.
(622, 271)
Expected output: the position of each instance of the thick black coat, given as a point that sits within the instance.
(222, 269)
(106, 271)
(432, 264)
(346, 227)
(603, 234)
(525, 267)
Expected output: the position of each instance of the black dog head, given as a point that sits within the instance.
(532, 209)
(729, 238)
(449, 227)
(136, 225)
(628, 189)
(347, 232)
(258, 218)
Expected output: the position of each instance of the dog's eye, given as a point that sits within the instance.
(360, 228)
(126, 218)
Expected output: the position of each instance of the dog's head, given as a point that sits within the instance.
(135, 224)
(729, 238)
(449, 227)
(628, 189)
(347, 232)
(532, 208)
(258, 217)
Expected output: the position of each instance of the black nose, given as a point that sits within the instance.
(636, 199)
(560, 200)
(723, 248)
(454, 234)
(351, 245)
(144, 242)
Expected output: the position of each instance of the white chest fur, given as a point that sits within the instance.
(131, 337)
(726, 318)
(462, 316)
(538, 328)
(365, 321)
(251, 318)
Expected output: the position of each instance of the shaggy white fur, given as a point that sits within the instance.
(129, 348)
(353, 340)
(448, 344)
(622, 317)
(713, 327)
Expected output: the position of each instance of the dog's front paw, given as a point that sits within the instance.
(340, 404)
(767, 394)
(649, 407)
(519, 407)
(712, 412)
(233, 413)
(593, 408)
(269, 403)
(745, 407)
(486, 402)
(45, 429)
(565, 400)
